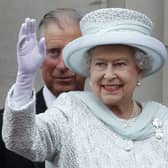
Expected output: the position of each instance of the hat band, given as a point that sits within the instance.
(93, 29)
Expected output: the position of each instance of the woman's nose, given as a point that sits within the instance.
(110, 73)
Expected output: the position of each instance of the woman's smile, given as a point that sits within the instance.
(112, 88)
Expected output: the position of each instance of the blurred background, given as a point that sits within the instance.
(13, 13)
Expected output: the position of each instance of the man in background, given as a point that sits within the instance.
(59, 27)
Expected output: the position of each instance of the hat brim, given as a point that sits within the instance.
(75, 52)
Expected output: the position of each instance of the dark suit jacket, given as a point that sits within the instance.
(9, 159)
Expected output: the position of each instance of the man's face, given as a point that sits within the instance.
(57, 77)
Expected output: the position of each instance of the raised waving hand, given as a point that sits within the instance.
(30, 55)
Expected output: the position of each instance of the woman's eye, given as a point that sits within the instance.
(100, 65)
(120, 64)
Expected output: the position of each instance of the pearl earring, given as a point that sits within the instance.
(139, 83)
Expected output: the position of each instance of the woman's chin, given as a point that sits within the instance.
(110, 100)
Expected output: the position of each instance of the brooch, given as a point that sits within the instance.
(158, 128)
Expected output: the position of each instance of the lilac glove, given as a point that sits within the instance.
(30, 55)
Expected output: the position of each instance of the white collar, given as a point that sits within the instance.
(48, 96)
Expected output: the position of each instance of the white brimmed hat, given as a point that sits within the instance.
(114, 26)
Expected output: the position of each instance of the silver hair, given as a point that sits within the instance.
(142, 60)
(60, 16)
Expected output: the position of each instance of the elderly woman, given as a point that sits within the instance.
(105, 128)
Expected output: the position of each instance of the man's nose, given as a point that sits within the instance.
(60, 63)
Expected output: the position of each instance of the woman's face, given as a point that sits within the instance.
(113, 73)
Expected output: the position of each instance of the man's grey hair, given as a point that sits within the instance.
(60, 16)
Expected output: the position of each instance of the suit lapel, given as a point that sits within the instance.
(40, 102)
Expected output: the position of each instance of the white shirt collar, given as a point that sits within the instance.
(48, 96)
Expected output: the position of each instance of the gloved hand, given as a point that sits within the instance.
(30, 55)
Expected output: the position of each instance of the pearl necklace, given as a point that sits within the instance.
(133, 116)
(135, 110)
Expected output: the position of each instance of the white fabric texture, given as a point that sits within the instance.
(70, 136)
(49, 99)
